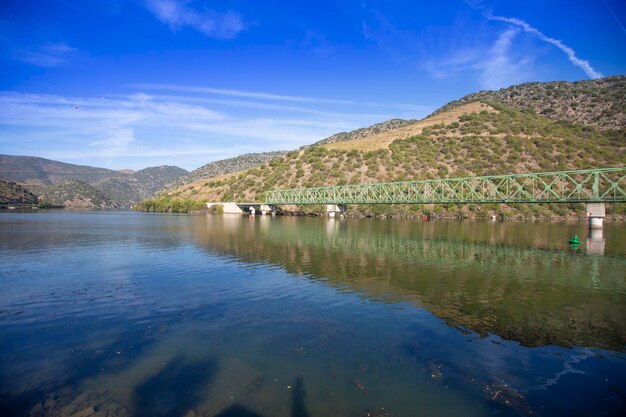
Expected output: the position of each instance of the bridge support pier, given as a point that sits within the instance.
(596, 212)
(333, 209)
(266, 209)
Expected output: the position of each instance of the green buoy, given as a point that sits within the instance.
(574, 241)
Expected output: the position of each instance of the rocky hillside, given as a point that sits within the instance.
(40, 171)
(480, 141)
(116, 188)
(599, 103)
(139, 185)
(366, 131)
(13, 194)
(226, 166)
(75, 194)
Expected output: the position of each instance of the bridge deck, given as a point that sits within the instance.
(600, 185)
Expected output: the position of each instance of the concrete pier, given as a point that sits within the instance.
(233, 207)
(596, 212)
(333, 209)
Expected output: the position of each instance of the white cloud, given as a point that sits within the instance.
(571, 54)
(140, 129)
(499, 69)
(177, 14)
(46, 55)
(500, 66)
(115, 145)
(452, 64)
(270, 97)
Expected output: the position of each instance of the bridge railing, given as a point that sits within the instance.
(585, 185)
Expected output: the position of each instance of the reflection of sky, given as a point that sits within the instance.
(118, 320)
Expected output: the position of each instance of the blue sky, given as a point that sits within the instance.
(188, 82)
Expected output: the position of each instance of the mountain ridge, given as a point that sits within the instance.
(599, 103)
(44, 177)
(226, 166)
(466, 137)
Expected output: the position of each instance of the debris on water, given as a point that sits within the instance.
(357, 384)
(378, 412)
(435, 371)
(504, 394)
(289, 387)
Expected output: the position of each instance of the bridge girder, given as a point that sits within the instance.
(600, 185)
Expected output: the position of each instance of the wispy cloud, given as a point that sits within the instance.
(178, 14)
(499, 69)
(142, 129)
(45, 55)
(453, 63)
(272, 97)
(571, 54)
(116, 144)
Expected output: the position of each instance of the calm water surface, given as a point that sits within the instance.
(175, 315)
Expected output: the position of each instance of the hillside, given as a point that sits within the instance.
(139, 185)
(40, 171)
(226, 166)
(76, 194)
(479, 140)
(115, 188)
(364, 132)
(599, 103)
(382, 140)
(12, 194)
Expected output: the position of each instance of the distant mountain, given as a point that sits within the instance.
(599, 103)
(115, 188)
(226, 166)
(135, 187)
(76, 194)
(13, 194)
(41, 171)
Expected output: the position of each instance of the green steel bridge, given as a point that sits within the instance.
(601, 185)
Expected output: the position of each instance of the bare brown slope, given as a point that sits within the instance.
(382, 140)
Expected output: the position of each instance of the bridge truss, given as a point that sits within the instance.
(601, 185)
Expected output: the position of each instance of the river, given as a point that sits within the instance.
(134, 314)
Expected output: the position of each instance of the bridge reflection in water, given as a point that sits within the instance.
(519, 281)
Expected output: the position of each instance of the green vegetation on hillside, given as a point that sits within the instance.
(599, 103)
(76, 194)
(483, 143)
(166, 204)
(12, 194)
(225, 166)
(117, 188)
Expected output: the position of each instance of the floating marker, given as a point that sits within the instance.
(574, 241)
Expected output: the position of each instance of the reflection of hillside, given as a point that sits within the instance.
(533, 296)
